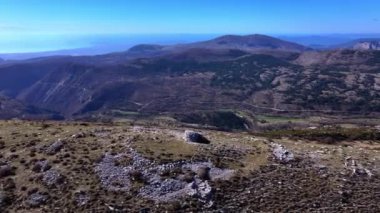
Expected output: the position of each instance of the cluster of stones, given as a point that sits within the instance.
(193, 180)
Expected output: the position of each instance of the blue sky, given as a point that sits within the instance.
(29, 23)
(189, 16)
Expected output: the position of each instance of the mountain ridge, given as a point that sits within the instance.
(159, 80)
(252, 43)
(249, 43)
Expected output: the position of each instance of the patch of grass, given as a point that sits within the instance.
(224, 120)
(164, 147)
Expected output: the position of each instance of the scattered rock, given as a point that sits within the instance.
(41, 166)
(54, 147)
(37, 199)
(167, 190)
(158, 187)
(113, 178)
(52, 178)
(195, 137)
(81, 198)
(214, 172)
(281, 154)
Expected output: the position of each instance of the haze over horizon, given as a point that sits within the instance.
(41, 25)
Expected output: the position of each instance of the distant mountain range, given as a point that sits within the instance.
(241, 74)
(107, 44)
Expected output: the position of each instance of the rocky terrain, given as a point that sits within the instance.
(137, 167)
(234, 124)
(239, 75)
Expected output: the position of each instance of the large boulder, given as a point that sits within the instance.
(195, 137)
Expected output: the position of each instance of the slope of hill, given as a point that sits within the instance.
(10, 108)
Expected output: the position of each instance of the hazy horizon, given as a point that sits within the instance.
(15, 47)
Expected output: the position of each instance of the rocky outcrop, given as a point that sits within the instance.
(162, 183)
(164, 191)
(109, 174)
